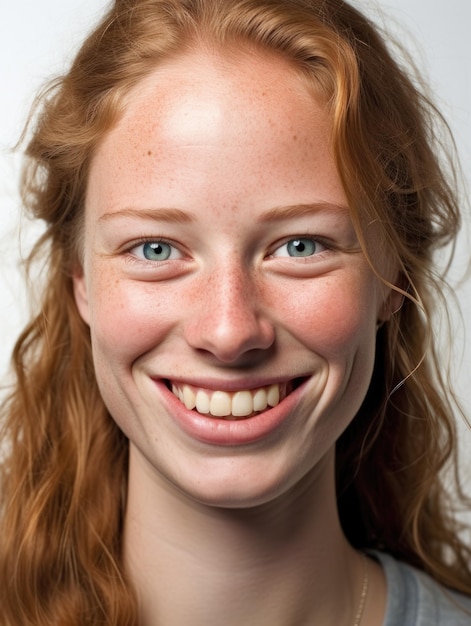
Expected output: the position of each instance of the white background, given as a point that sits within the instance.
(38, 39)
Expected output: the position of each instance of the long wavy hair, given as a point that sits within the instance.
(64, 474)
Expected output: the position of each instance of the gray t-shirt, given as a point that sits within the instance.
(415, 599)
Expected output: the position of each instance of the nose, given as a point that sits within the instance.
(227, 318)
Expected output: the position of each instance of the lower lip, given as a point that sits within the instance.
(223, 432)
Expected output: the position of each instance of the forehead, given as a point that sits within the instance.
(217, 77)
(186, 97)
(215, 106)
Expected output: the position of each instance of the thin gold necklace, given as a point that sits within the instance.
(364, 593)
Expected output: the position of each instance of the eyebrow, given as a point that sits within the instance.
(276, 214)
(281, 213)
(162, 214)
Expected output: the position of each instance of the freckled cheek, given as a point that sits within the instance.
(331, 321)
(127, 321)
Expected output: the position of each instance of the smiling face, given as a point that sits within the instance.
(232, 313)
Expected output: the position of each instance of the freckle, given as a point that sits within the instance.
(149, 153)
(295, 137)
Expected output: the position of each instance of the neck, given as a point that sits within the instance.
(282, 563)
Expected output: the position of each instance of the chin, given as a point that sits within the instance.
(239, 485)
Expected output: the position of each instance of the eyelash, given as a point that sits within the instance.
(317, 241)
(132, 257)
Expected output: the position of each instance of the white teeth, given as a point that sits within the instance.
(220, 405)
(223, 404)
(273, 395)
(188, 398)
(202, 402)
(242, 404)
(260, 401)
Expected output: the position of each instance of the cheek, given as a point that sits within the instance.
(331, 317)
(127, 318)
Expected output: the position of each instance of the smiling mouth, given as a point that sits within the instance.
(233, 405)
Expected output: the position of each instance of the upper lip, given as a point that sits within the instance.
(214, 384)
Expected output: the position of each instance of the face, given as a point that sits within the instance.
(232, 312)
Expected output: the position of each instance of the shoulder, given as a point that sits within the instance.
(415, 599)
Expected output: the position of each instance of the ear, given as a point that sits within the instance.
(392, 304)
(81, 294)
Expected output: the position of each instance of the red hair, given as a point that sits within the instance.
(64, 476)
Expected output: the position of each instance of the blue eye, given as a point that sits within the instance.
(299, 247)
(155, 251)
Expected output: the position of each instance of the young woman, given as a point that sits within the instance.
(229, 409)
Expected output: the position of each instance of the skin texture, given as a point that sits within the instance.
(228, 161)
